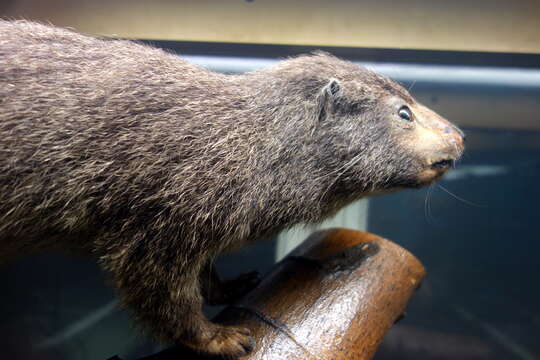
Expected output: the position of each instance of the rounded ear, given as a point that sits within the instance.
(327, 97)
(332, 88)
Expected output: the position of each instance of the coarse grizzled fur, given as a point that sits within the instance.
(155, 166)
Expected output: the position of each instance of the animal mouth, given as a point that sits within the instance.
(433, 172)
(443, 164)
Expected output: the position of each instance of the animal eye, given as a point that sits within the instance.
(405, 113)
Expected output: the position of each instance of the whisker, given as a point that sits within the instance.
(412, 85)
(430, 201)
(426, 205)
(459, 198)
(432, 220)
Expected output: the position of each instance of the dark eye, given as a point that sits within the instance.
(405, 113)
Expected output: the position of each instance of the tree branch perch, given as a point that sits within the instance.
(333, 297)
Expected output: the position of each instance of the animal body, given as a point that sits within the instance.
(155, 166)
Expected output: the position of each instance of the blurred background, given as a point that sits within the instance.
(476, 63)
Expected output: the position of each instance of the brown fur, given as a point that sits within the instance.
(155, 166)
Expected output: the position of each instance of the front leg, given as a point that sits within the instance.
(218, 292)
(162, 288)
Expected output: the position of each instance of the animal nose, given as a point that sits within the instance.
(455, 135)
(460, 132)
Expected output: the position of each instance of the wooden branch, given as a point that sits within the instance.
(334, 297)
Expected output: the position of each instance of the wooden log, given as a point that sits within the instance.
(334, 297)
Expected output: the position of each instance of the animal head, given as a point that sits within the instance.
(367, 131)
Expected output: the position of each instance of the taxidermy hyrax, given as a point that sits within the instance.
(155, 166)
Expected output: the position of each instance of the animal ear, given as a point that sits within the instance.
(327, 97)
(332, 88)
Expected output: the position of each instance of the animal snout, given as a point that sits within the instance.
(454, 135)
(451, 150)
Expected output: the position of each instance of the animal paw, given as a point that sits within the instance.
(230, 342)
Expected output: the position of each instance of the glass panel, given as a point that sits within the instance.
(476, 234)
